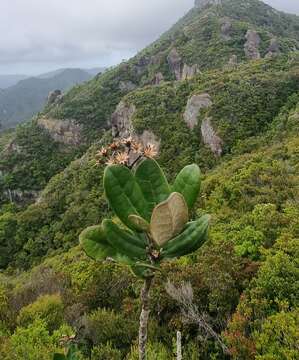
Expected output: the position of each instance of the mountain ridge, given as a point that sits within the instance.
(219, 89)
(32, 92)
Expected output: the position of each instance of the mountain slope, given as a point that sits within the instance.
(209, 38)
(238, 120)
(21, 101)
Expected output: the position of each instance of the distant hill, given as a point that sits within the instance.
(10, 80)
(24, 99)
(50, 74)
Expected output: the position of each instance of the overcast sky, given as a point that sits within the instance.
(42, 35)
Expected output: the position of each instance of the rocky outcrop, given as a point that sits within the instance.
(54, 97)
(127, 86)
(157, 59)
(67, 132)
(232, 62)
(210, 138)
(203, 3)
(148, 137)
(12, 147)
(194, 105)
(121, 120)
(189, 71)
(180, 70)
(158, 78)
(274, 49)
(175, 63)
(251, 47)
(21, 197)
(141, 66)
(226, 28)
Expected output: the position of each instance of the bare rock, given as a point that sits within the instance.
(127, 86)
(67, 132)
(12, 147)
(148, 137)
(189, 71)
(54, 97)
(141, 65)
(251, 47)
(232, 62)
(194, 105)
(158, 78)
(210, 138)
(226, 27)
(121, 120)
(274, 49)
(21, 197)
(157, 59)
(122, 127)
(175, 63)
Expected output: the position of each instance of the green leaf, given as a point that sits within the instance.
(152, 182)
(188, 184)
(72, 353)
(125, 242)
(95, 244)
(59, 357)
(124, 194)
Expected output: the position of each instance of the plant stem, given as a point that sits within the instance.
(144, 316)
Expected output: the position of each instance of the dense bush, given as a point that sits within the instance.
(105, 352)
(48, 308)
(33, 342)
(108, 326)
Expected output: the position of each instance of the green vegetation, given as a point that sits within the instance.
(244, 279)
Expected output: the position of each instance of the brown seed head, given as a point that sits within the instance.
(122, 158)
(103, 152)
(137, 148)
(150, 151)
(110, 161)
(128, 141)
(114, 146)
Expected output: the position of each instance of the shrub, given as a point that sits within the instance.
(105, 352)
(107, 326)
(279, 337)
(33, 342)
(48, 308)
(155, 351)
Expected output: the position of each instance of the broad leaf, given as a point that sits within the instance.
(187, 183)
(152, 182)
(124, 194)
(168, 219)
(95, 244)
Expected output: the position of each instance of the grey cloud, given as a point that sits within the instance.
(39, 35)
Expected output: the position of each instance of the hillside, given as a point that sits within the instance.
(10, 80)
(211, 38)
(21, 101)
(220, 89)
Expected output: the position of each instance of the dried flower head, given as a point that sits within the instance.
(150, 151)
(110, 161)
(137, 148)
(122, 158)
(114, 146)
(129, 141)
(103, 152)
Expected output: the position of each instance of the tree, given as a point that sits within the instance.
(152, 224)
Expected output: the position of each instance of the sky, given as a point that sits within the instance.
(42, 35)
